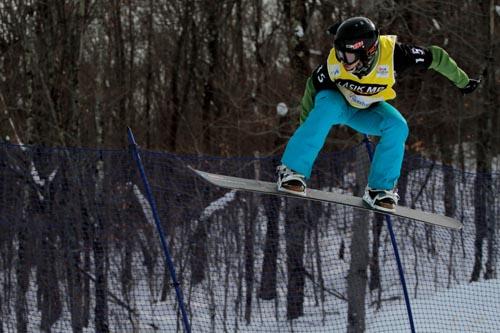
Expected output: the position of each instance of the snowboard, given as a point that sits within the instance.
(252, 185)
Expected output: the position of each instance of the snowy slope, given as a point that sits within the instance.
(448, 315)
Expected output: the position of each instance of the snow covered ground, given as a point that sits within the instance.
(445, 311)
(441, 312)
(458, 309)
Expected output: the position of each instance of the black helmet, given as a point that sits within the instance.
(357, 39)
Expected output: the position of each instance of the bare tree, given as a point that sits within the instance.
(358, 276)
(295, 244)
(483, 194)
(268, 288)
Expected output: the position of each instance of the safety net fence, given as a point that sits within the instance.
(79, 250)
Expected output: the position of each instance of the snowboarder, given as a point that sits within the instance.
(352, 89)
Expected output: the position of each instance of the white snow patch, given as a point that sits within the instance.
(218, 204)
(299, 31)
(146, 208)
(36, 176)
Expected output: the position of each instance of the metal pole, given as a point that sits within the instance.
(395, 248)
(152, 203)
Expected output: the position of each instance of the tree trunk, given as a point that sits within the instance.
(483, 186)
(86, 223)
(267, 289)
(119, 68)
(249, 257)
(50, 303)
(126, 277)
(23, 278)
(73, 278)
(100, 255)
(378, 223)
(357, 276)
(198, 258)
(252, 208)
(492, 110)
(295, 237)
(450, 196)
(149, 78)
(101, 275)
(480, 198)
(209, 104)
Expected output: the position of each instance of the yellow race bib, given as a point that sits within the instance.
(374, 87)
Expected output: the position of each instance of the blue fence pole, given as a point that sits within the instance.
(396, 251)
(152, 203)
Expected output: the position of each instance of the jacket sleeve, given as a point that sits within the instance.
(319, 80)
(307, 102)
(446, 66)
(409, 56)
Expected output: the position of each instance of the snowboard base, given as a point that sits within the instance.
(252, 185)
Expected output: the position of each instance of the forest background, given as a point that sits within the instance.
(204, 77)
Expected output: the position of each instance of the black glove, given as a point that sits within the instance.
(471, 86)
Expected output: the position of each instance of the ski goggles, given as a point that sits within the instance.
(348, 58)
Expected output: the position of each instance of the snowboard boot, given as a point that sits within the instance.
(290, 181)
(383, 200)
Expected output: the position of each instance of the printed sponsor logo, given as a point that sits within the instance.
(357, 100)
(355, 46)
(361, 88)
(335, 71)
(382, 71)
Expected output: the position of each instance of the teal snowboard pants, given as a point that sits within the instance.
(331, 108)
